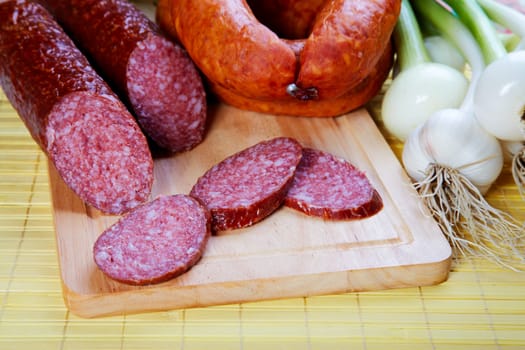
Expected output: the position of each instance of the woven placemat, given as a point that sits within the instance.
(481, 306)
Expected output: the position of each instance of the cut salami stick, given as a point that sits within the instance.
(154, 242)
(87, 133)
(331, 188)
(248, 186)
(153, 75)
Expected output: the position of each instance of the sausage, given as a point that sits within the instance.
(72, 114)
(287, 18)
(249, 185)
(353, 99)
(153, 75)
(331, 188)
(163, 18)
(241, 56)
(154, 242)
(347, 40)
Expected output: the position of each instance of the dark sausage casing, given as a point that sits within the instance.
(87, 133)
(152, 74)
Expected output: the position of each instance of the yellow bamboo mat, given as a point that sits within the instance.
(481, 306)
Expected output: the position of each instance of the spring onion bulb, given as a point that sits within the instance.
(454, 161)
(499, 99)
(422, 86)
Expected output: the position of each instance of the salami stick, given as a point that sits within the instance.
(152, 74)
(87, 133)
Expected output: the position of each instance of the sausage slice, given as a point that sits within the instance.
(248, 186)
(331, 188)
(154, 242)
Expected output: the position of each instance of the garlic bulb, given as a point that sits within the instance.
(453, 139)
(454, 161)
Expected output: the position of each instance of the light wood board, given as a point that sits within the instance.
(286, 255)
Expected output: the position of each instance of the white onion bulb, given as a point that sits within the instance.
(418, 92)
(499, 98)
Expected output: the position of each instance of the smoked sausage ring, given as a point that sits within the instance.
(313, 70)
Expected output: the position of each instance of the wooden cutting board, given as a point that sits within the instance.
(286, 255)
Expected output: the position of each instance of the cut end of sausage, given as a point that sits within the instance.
(248, 186)
(331, 188)
(155, 242)
(100, 152)
(167, 94)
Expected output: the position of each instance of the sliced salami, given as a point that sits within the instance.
(153, 75)
(154, 242)
(248, 186)
(331, 188)
(88, 134)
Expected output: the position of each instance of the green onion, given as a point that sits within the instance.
(505, 16)
(408, 39)
(421, 87)
(472, 15)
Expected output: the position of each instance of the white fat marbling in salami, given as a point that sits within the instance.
(248, 186)
(99, 153)
(155, 241)
(331, 188)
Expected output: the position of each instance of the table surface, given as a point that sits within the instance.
(480, 306)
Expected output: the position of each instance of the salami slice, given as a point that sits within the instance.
(88, 134)
(154, 242)
(248, 186)
(331, 188)
(153, 75)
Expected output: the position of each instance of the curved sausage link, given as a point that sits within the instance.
(232, 48)
(346, 43)
(354, 98)
(241, 56)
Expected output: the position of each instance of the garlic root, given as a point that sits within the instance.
(472, 226)
(518, 171)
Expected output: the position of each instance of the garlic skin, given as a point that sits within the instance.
(453, 139)
(512, 148)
